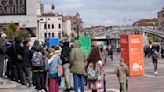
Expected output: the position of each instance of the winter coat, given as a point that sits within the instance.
(27, 56)
(19, 51)
(53, 63)
(122, 72)
(65, 55)
(2, 49)
(37, 48)
(77, 59)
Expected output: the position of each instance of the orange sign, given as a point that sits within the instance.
(124, 48)
(132, 53)
(136, 58)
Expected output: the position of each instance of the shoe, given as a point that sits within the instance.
(67, 90)
(43, 90)
(71, 88)
(155, 73)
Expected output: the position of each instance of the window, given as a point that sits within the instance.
(53, 35)
(45, 26)
(45, 35)
(49, 34)
(52, 26)
(48, 26)
(59, 26)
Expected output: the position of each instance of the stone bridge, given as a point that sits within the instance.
(131, 29)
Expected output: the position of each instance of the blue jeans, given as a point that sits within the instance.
(78, 79)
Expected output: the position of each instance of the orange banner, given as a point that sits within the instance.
(124, 45)
(136, 57)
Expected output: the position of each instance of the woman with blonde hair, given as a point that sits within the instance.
(53, 62)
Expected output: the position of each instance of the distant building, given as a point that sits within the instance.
(50, 25)
(146, 22)
(161, 18)
(76, 23)
(67, 27)
(40, 9)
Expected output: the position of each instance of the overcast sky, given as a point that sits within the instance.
(107, 12)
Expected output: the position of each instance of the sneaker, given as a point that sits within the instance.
(43, 90)
(67, 90)
(156, 73)
(71, 88)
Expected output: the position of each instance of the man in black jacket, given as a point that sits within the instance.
(15, 52)
(65, 56)
(27, 56)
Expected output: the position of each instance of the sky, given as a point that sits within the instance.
(107, 12)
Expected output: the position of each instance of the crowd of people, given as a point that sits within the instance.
(44, 68)
(41, 67)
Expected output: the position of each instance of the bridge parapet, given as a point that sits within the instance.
(149, 29)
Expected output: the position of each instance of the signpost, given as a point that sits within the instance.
(12, 7)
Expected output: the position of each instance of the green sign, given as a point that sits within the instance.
(86, 44)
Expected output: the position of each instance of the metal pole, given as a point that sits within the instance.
(104, 82)
(78, 31)
(38, 29)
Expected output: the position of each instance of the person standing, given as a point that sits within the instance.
(77, 64)
(2, 54)
(162, 52)
(155, 61)
(27, 56)
(38, 67)
(65, 57)
(19, 69)
(122, 73)
(103, 55)
(53, 62)
(95, 70)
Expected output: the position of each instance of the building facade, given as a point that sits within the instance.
(50, 25)
(161, 18)
(21, 12)
(76, 23)
(146, 22)
(67, 27)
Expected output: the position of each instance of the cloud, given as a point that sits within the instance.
(108, 12)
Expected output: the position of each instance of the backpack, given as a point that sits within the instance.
(37, 59)
(92, 73)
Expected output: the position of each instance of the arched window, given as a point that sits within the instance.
(52, 26)
(59, 26)
(49, 34)
(48, 26)
(45, 26)
(53, 35)
(45, 35)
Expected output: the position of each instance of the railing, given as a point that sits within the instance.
(149, 29)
